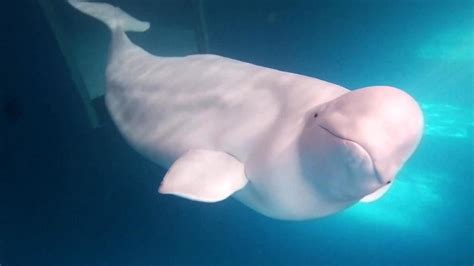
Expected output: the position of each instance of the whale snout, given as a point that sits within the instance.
(360, 173)
(386, 122)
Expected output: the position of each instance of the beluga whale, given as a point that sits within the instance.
(288, 146)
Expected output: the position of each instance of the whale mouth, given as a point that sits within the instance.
(359, 150)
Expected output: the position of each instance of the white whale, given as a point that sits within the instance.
(288, 146)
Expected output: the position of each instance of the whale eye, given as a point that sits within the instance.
(388, 182)
(315, 115)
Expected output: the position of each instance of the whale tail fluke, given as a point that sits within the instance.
(113, 17)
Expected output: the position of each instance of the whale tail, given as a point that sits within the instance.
(113, 17)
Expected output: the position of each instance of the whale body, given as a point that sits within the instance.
(286, 145)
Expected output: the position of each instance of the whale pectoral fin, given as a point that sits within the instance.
(376, 194)
(204, 175)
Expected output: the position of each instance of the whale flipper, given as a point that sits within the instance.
(204, 175)
(112, 16)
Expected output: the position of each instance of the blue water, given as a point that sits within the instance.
(73, 196)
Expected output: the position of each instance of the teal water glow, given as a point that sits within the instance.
(397, 208)
(444, 120)
(452, 44)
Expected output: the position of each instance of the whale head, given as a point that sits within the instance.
(363, 139)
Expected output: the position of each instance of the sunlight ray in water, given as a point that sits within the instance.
(444, 120)
(452, 44)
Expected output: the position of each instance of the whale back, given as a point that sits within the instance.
(168, 105)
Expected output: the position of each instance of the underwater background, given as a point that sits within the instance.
(72, 195)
